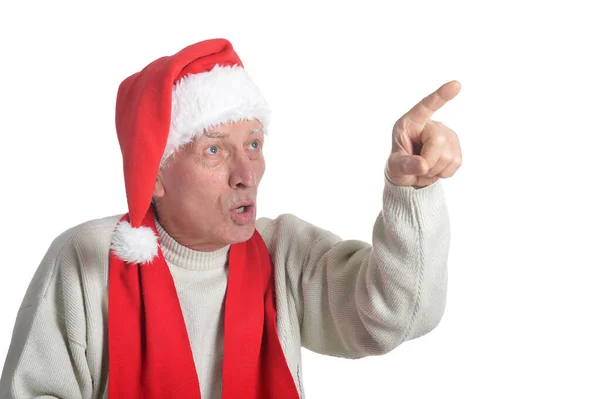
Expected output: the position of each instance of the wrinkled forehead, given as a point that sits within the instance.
(248, 128)
(231, 131)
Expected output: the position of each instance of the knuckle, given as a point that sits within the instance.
(446, 158)
(439, 139)
(447, 174)
(401, 125)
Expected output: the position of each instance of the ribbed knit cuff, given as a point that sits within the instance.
(415, 206)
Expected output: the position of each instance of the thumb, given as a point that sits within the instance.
(399, 165)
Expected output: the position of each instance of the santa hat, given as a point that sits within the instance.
(165, 106)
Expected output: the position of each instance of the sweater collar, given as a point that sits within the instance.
(182, 256)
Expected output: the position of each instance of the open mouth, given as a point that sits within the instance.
(243, 214)
(243, 207)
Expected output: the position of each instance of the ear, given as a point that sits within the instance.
(159, 188)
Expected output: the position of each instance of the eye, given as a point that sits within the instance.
(255, 145)
(212, 150)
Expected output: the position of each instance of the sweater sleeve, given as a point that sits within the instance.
(47, 353)
(360, 299)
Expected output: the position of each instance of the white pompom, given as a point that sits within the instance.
(134, 245)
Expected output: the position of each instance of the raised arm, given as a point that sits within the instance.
(360, 299)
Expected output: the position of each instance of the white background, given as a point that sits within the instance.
(522, 318)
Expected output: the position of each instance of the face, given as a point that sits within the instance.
(206, 196)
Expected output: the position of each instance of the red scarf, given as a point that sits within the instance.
(149, 351)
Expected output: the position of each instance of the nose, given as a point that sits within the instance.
(242, 172)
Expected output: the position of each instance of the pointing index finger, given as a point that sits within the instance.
(422, 112)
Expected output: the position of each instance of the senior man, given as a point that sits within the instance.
(188, 295)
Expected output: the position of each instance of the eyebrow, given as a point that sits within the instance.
(220, 135)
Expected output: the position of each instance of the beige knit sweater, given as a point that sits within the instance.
(335, 297)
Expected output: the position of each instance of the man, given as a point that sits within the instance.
(187, 295)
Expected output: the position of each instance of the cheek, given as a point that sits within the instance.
(180, 181)
(200, 189)
(259, 169)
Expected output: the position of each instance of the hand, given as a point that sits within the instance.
(423, 150)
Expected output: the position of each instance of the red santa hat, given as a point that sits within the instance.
(165, 106)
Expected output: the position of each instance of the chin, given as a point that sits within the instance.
(242, 233)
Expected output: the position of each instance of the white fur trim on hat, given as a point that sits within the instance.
(134, 245)
(205, 100)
